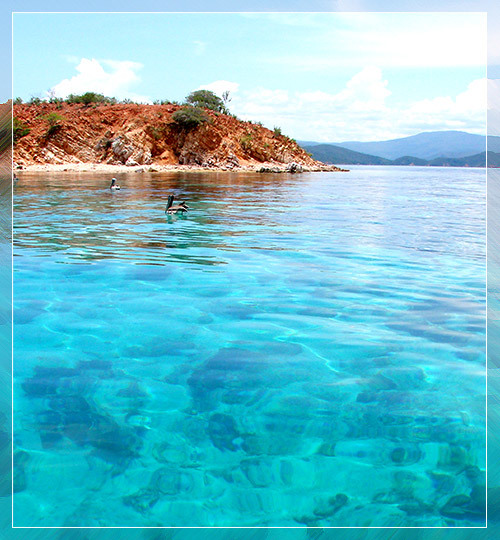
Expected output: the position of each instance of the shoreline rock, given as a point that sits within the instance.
(157, 168)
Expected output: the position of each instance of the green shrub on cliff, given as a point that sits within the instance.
(246, 141)
(19, 129)
(54, 123)
(207, 100)
(89, 97)
(189, 117)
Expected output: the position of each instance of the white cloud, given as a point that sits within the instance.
(466, 110)
(420, 39)
(114, 81)
(392, 40)
(319, 115)
(219, 87)
(361, 110)
(366, 91)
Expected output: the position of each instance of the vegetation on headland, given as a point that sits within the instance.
(199, 98)
(87, 98)
(54, 124)
(19, 129)
(90, 97)
(189, 117)
(206, 99)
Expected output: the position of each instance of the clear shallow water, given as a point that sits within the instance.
(298, 350)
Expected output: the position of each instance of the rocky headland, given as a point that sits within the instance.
(76, 136)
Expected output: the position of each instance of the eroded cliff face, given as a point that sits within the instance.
(130, 134)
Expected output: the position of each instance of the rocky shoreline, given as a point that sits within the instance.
(292, 168)
(149, 138)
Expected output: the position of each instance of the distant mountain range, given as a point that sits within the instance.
(328, 153)
(438, 148)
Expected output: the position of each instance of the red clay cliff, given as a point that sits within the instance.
(147, 135)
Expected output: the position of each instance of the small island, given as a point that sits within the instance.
(95, 132)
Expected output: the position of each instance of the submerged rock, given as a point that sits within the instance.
(142, 501)
(405, 377)
(442, 482)
(259, 471)
(72, 416)
(405, 455)
(171, 481)
(95, 364)
(231, 369)
(454, 457)
(416, 508)
(106, 435)
(46, 380)
(326, 508)
(223, 432)
(462, 507)
(168, 482)
(133, 390)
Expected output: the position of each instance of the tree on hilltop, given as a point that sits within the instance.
(207, 100)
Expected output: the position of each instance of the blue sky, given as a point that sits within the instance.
(325, 77)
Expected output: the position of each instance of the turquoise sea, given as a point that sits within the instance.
(299, 350)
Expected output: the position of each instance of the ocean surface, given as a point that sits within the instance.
(298, 350)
